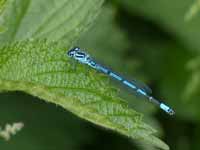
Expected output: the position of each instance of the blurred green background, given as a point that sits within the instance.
(149, 41)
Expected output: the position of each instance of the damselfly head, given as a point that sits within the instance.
(73, 51)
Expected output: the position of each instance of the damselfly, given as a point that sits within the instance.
(144, 91)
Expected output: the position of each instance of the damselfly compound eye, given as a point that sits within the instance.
(73, 51)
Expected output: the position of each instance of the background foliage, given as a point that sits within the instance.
(157, 43)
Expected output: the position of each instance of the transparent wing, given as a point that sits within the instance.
(142, 86)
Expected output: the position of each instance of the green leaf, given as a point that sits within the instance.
(31, 64)
(2, 4)
(43, 70)
(61, 20)
(2, 29)
(194, 82)
(2, 7)
(191, 93)
(194, 9)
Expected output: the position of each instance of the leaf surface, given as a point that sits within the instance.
(61, 20)
(44, 71)
(41, 68)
